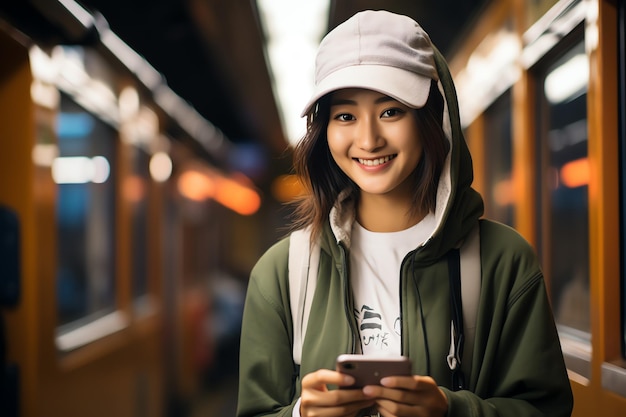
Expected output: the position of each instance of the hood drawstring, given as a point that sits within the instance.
(456, 323)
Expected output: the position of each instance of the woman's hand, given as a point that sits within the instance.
(416, 396)
(317, 400)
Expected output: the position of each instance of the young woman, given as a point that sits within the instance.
(390, 200)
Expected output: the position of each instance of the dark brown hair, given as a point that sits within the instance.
(324, 180)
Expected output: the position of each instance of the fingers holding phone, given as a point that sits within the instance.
(413, 395)
(317, 399)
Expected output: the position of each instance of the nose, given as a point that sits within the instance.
(368, 135)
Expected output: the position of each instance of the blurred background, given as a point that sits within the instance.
(145, 165)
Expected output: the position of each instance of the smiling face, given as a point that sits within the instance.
(374, 139)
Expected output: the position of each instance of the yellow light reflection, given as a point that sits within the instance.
(503, 193)
(237, 197)
(134, 188)
(196, 186)
(575, 173)
(286, 188)
(203, 184)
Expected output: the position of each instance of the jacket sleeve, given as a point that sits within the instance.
(267, 374)
(527, 376)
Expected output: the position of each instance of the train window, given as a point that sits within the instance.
(85, 214)
(136, 190)
(498, 149)
(564, 207)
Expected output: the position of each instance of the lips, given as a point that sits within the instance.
(377, 161)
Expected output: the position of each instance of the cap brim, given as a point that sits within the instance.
(407, 87)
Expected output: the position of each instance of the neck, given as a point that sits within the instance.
(379, 213)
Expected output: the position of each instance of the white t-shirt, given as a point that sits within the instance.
(375, 260)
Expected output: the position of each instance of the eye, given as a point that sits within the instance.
(392, 112)
(343, 117)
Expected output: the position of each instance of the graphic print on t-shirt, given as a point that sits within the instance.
(375, 335)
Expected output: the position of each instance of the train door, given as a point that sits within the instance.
(82, 334)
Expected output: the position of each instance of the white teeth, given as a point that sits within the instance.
(375, 162)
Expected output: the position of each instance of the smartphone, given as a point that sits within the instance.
(369, 370)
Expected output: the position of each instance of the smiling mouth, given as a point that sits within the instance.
(377, 161)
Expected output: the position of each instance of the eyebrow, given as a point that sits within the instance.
(340, 101)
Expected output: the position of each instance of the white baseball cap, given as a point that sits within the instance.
(376, 50)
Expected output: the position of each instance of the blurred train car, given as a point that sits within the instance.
(117, 224)
(115, 237)
(541, 90)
